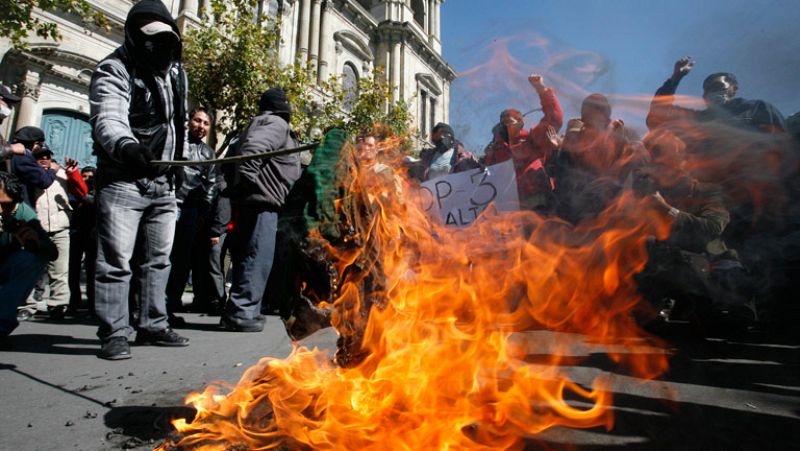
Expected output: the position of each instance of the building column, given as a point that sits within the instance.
(437, 7)
(313, 52)
(188, 15)
(27, 113)
(430, 18)
(305, 19)
(190, 7)
(396, 72)
(325, 38)
(288, 47)
(434, 37)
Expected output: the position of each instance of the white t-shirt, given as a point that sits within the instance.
(440, 165)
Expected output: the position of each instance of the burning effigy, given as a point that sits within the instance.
(425, 314)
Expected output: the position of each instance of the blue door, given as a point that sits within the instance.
(69, 135)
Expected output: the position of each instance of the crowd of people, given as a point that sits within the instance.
(725, 176)
(138, 227)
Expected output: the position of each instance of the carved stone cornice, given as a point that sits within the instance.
(392, 31)
(43, 58)
(355, 14)
(352, 42)
(429, 82)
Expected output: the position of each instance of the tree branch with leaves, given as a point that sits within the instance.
(233, 57)
(18, 18)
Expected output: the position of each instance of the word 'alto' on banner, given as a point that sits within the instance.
(458, 199)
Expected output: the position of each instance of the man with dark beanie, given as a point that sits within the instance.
(258, 190)
(138, 114)
(447, 157)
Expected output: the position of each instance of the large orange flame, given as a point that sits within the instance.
(440, 371)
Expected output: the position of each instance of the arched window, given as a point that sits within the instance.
(418, 7)
(350, 85)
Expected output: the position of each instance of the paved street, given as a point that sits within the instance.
(718, 395)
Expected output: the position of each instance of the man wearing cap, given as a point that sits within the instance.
(138, 114)
(7, 101)
(55, 213)
(258, 190)
(32, 176)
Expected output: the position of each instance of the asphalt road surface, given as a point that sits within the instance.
(719, 394)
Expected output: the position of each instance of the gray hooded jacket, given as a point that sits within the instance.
(265, 182)
(131, 102)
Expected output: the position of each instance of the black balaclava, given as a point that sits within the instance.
(154, 48)
(446, 139)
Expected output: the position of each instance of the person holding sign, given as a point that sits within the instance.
(447, 157)
(529, 150)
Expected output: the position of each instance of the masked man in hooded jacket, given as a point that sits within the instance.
(138, 114)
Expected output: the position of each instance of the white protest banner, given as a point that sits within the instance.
(458, 199)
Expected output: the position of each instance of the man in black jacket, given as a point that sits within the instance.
(138, 114)
(719, 94)
(195, 194)
(258, 190)
(34, 177)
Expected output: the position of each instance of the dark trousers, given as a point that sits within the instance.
(208, 275)
(19, 272)
(252, 247)
(82, 254)
(182, 255)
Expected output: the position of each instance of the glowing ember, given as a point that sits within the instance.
(440, 371)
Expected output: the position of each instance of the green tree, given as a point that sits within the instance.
(233, 57)
(17, 19)
(374, 105)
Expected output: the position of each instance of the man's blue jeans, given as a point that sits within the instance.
(252, 246)
(128, 216)
(19, 272)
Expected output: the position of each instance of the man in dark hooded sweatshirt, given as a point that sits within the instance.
(719, 94)
(138, 114)
(258, 190)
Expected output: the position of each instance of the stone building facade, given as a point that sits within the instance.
(345, 37)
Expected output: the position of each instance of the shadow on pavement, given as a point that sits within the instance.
(651, 424)
(764, 364)
(133, 426)
(53, 344)
(14, 369)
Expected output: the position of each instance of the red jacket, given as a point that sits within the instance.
(499, 150)
(531, 149)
